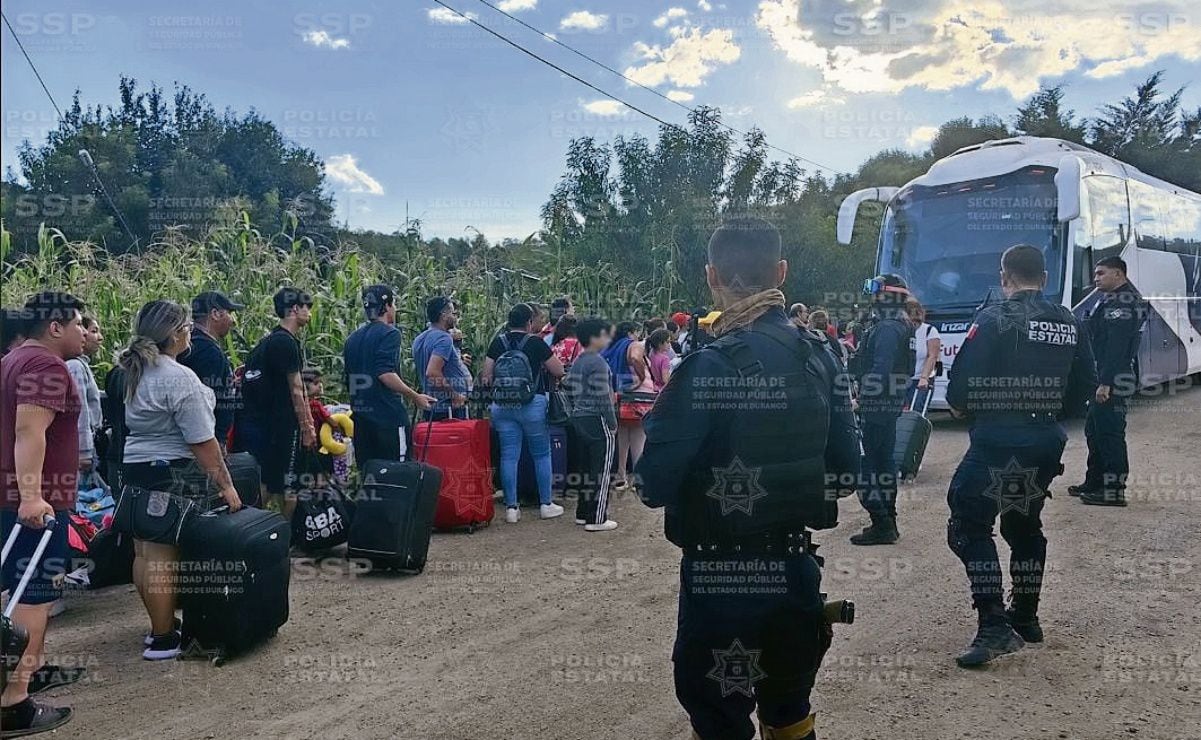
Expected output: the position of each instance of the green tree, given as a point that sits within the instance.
(960, 132)
(1044, 115)
(166, 162)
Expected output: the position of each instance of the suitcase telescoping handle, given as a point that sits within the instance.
(50, 523)
(929, 394)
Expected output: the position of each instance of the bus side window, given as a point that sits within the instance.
(1183, 217)
(1105, 234)
(1110, 215)
(1146, 210)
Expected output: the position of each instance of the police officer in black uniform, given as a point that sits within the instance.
(1023, 364)
(750, 445)
(1114, 327)
(882, 366)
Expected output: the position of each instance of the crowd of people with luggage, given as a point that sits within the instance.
(204, 462)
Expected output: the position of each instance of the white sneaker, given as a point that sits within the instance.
(550, 511)
(581, 521)
(604, 526)
(512, 515)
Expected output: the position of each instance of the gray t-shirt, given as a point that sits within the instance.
(170, 410)
(589, 388)
(90, 416)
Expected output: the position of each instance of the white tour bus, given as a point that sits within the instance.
(944, 232)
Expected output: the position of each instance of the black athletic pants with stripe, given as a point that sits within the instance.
(591, 447)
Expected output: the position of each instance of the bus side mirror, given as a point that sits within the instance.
(850, 207)
(1069, 188)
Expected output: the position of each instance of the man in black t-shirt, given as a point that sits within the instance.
(275, 420)
(212, 320)
(377, 392)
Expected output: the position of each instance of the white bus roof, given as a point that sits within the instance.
(1001, 156)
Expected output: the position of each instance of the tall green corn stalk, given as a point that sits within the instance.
(235, 258)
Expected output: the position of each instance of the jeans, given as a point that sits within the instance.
(513, 424)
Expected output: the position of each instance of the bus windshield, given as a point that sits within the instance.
(947, 240)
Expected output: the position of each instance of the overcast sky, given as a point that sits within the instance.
(412, 107)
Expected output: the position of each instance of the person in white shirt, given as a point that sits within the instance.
(927, 348)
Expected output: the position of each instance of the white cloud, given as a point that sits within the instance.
(1010, 45)
(671, 15)
(816, 99)
(446, 17)
(322, 40)
(516, 6)
(582, 20)
(704, 6)
(921, 137)
(344, 170)
(680, 96)
(604, 107)
(687, 61)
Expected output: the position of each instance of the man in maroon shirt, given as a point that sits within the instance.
(39, 462)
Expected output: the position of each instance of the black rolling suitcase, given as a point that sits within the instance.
(233, 581)
(394, 513)
(244, 470)
(913, 434)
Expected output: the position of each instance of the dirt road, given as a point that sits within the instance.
(538, 630)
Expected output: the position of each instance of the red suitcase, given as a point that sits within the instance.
(462, 450)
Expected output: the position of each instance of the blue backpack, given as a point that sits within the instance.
(615, 356)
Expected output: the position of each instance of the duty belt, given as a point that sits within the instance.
(1020, 418)
(793, 543)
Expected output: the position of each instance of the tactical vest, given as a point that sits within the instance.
(768, 470)
(903, 362)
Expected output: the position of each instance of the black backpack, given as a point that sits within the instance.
(113, 406)
(513, 375)
(256, 399)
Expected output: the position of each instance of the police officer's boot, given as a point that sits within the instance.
(1104, 497)
(882, 531)
(802, 730)
(1023, 618)
(994, 637)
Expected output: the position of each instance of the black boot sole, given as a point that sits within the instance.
(873, 541)
(1088, 501)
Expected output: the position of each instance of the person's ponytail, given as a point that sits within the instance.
(153, 330)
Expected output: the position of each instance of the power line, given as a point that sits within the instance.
(551, 64)
(632, 81)
(32, 66)
(84, 156)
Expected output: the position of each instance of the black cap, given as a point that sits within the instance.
(376, 298)
(211, 300)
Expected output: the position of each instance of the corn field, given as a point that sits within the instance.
(250, 267)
